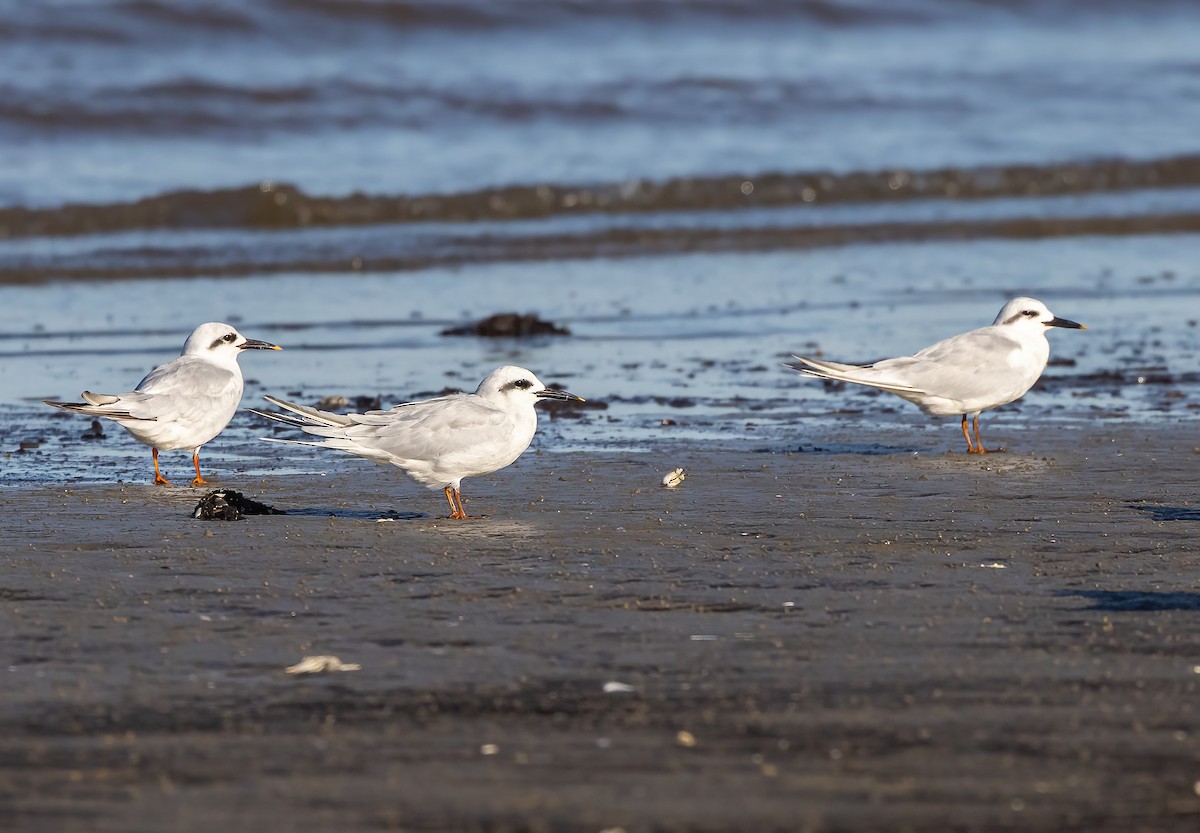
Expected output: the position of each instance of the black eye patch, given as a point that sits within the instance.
(520, 384)
(1032, 313)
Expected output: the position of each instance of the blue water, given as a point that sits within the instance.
(108, 100)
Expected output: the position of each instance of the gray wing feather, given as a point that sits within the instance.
(411, 431)
(179, 390)
(972, 360)
(99, 398)
(182, 389)
(94, 410)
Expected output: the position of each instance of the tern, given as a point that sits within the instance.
(965, 374)
(184, 403)
(439, 441)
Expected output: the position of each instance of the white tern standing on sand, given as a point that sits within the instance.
(437, 442)
(184, 403)
(964, 374)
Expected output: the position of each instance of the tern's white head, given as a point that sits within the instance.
(515, 387)
(1030, 315)
(221, 344)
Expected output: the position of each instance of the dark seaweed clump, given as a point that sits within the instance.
(508, 325)
(228, 505)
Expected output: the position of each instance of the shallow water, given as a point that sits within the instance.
(694, 340)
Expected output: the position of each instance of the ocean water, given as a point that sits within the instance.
(696, 189)
(107, 100)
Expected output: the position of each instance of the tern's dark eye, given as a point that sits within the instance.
(1032, 313)
(523, 384)
(230, 338)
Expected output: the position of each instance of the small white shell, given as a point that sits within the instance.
(674, 478)
(318, 664)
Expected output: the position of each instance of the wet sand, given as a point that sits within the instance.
(814, 641)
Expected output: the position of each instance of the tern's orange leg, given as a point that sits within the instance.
(455, 501)
(967, 436)
(460, 513)
(979, 440)
(159, 480)
(462, 510)
(199, 481)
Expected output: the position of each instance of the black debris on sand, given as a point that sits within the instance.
(228, 505)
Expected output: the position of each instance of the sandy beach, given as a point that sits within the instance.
(805, 641)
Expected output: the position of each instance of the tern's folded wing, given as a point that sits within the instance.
(413, 434)
(183, 389)
(426, 430)
(962, 367)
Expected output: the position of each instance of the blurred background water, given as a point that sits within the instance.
(695, 188)
(106, 100)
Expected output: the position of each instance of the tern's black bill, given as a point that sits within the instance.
(254, 344)
(558, 395)
(1063, 322)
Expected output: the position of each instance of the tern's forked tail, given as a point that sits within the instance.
(852, 373)
(301, 416)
